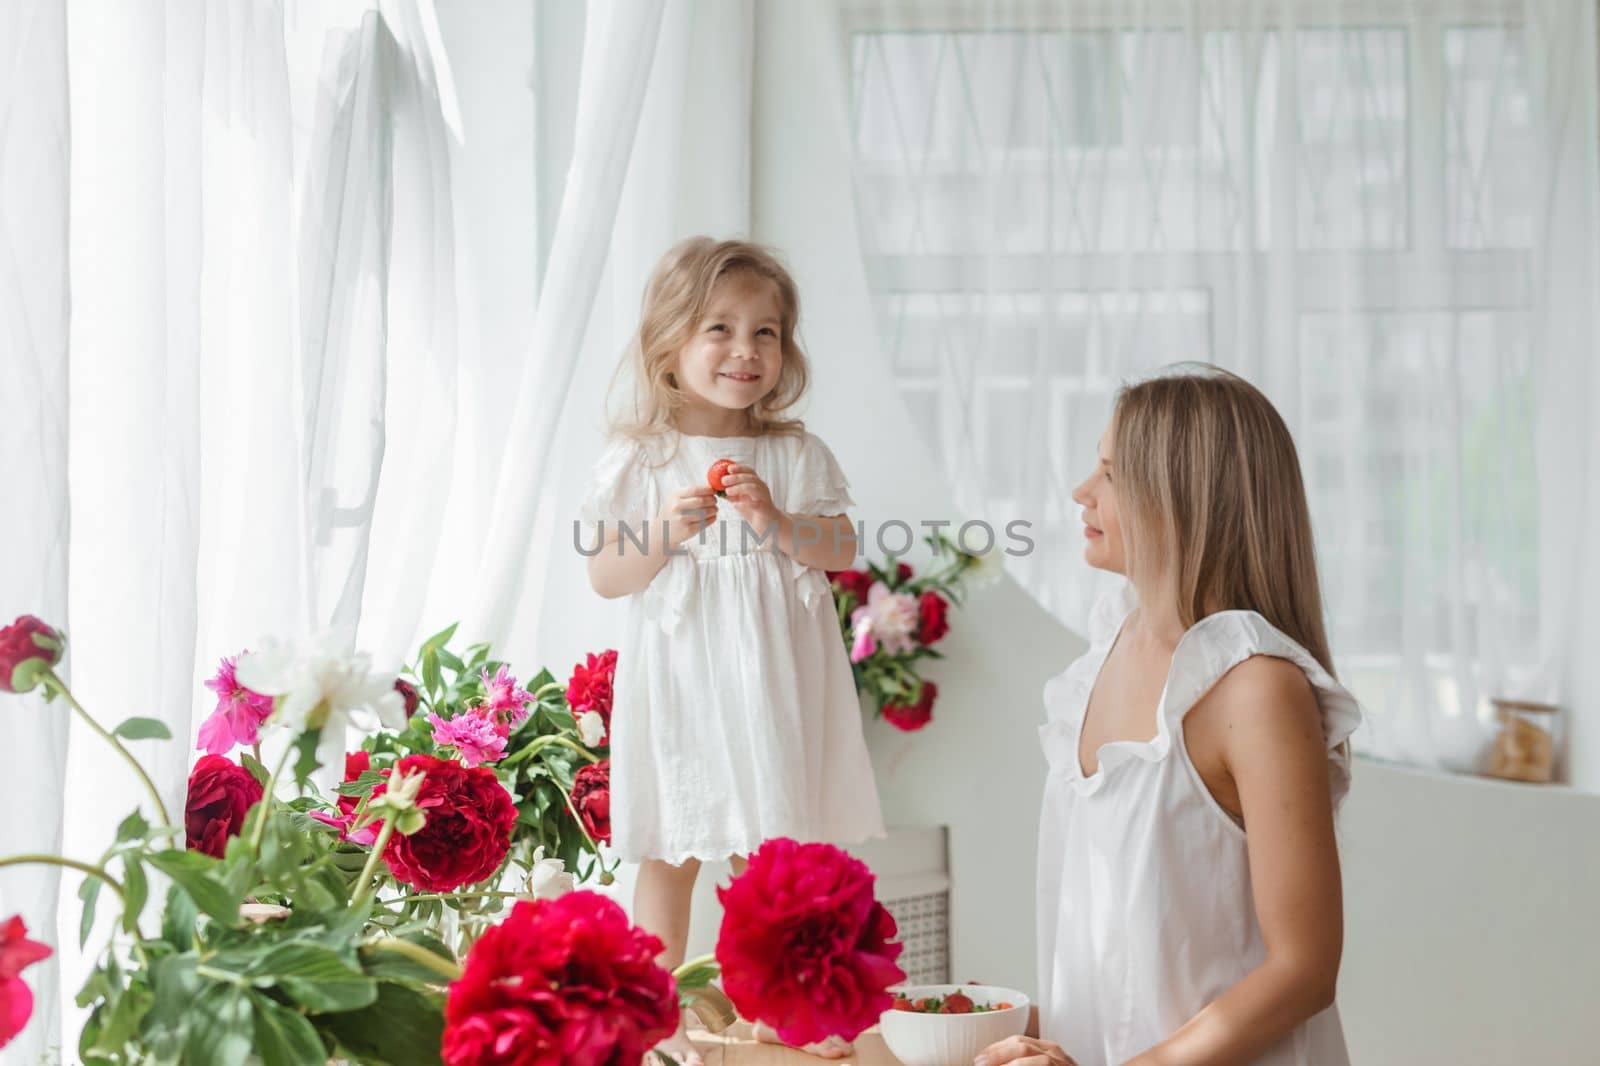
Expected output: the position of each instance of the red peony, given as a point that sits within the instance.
(590, 686)
(409, 695)
(804, 945)
(933, 608)
(28, 648)
(855, 582)
(560, 982)
(16, 953)
(468, 831)
(220, 793)
(912, 717)
(591, 798)
(902, 572)
(356, 763)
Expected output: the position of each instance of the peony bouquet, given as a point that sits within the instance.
(892, 618)
(371, 924)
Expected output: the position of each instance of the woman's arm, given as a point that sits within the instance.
(1273, 749)
(621, 567)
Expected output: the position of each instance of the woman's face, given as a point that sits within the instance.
(733, 357)
(1102, 529)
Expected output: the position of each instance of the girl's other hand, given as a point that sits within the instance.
(1023, 1051)
(687, 513)
(750, 496)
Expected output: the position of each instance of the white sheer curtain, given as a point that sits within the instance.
(262, 279)
(34, 157)
(1383, 214)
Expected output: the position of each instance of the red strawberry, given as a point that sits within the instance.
(714, 476)
(958, 1003)
(902, 1003)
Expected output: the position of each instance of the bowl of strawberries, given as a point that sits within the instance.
(946, 1025)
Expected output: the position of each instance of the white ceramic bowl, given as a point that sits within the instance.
(951, 1039)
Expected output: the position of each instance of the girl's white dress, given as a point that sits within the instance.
(1145, 905)
(735, 717)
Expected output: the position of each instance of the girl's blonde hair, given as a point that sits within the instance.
(674, 302)
(1209, 479)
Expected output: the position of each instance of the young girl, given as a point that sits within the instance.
(736, 717)
(1189, 900)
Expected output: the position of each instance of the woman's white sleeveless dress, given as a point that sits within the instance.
(1145, 906)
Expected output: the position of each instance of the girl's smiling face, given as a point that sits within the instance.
(733, 357)
(1102, 527)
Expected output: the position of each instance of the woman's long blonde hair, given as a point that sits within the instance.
(674, 301)
(1209, 480)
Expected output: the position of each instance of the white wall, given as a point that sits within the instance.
(1472, 931)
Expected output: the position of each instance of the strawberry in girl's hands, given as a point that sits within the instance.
(749, 495)
(719, 471)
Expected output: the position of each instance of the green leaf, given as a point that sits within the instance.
(176, 984)
(392, 966)
(257, 771)
(441, 638)
(219, 1027)
(284, 1037)
(178, 919)
(143, 729)
(315, 977)
(361, 785)
(122, 1023)
(89, 894)
(305, 762)
(133, 827)
(403, 1028)
(135, 891)
(431, 678)
(193, 872)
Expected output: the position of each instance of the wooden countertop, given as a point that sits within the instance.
(737, 1047)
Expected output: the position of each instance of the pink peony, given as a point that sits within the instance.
(476, 734)
(895, 617)
(505, 697)
(17, 952)
(238, 716)
(864, 645)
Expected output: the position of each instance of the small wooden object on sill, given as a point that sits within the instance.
(1525, 747)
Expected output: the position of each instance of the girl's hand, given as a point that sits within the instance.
(687, 513)
(750, 497)
(1024, 1051)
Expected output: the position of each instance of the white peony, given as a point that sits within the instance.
(322, 681)
(591, 728)
(549, 878)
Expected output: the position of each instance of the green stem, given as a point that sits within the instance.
(418, 954)
(260, 828)
(54, 683)
(71, 864)
(605, 875)
(545, 741)
(693, 964)
(364, 887)
(420, 897)
(554, 686)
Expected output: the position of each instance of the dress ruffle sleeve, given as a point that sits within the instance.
(817, 488)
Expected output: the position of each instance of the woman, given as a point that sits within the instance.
(1189, 898)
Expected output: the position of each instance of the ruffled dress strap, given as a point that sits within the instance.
(1221, 641)
(817, 488)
